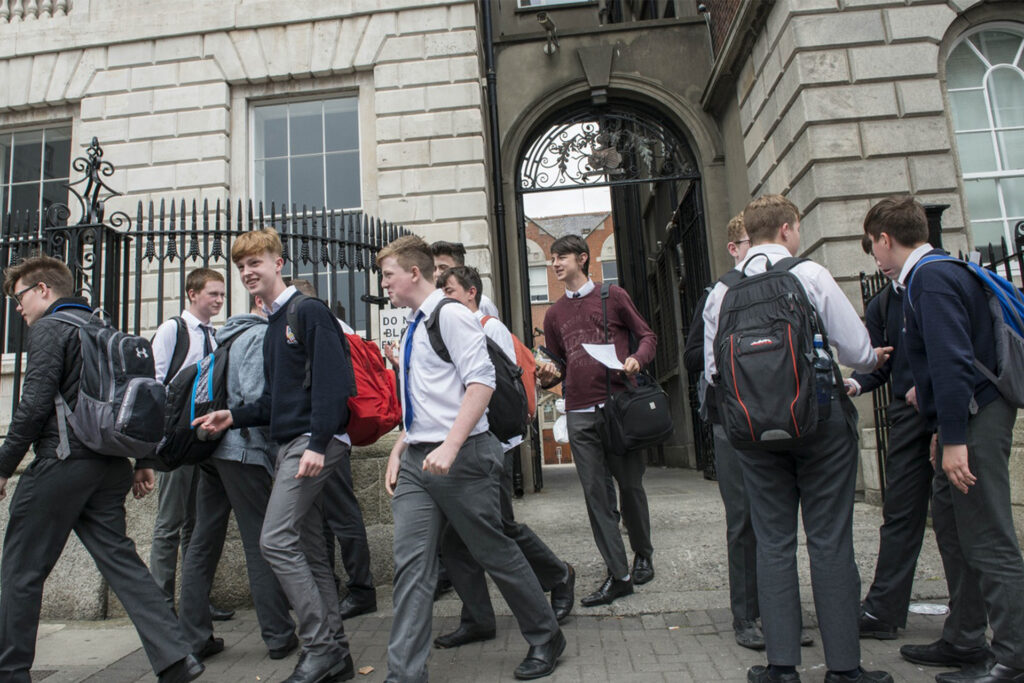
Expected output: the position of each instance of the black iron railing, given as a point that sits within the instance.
(135, 270)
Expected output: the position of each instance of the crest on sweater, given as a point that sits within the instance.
(289, 336)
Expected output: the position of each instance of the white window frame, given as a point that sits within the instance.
(999, 173)
(43, 127)
(534, 298)
(317, 97)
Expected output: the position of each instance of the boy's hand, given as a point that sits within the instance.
(311, 464)
(882, 354)
(3, 487)
(547, 372)
(214, 422)
(954, 464)
(439, 460)
(144, 483)
(631, 366)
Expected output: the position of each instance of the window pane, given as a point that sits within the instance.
(969, 109)
(57, 151)
(54, 192)
(964, 69)
(271, 131)
(976, 153)
(982, 201)
(610, 272)
(308, 182)
(272, 184)
(25, 198)
(1011, 147)
(306, 128)
(1013, 197)
(27, 152)
(341, 124)
(343, 190)
(999, 47)
(538, 283)
(1006, 92)
(986, 232)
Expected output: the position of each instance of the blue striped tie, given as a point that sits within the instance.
(405, 370)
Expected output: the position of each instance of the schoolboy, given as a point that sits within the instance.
(309, 424)
(238, 477)
(83, 492)
(448, 465)
(573, 320)
(908, 472)
(819, 478)
(464, 284)
(176, 490)
(451, 254)
(948, 327)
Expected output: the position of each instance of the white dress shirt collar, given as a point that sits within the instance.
(770, 250)
(281, 300)
(192, 321)
(912, 261)
(587, 288)
(427, 306)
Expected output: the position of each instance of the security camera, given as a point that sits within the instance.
(545, 21)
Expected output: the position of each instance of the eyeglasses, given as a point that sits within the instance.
(17, 295)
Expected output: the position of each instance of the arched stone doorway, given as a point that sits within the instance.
(644, 163)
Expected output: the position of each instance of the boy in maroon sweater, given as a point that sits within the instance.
(572, 321)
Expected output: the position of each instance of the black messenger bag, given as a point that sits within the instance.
(640, 416)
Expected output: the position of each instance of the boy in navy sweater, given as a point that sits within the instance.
(948, 326)
(308, 419)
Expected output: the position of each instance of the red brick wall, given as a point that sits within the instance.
(595, 240)
(723, 12)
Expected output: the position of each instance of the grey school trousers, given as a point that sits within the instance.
(226, 485)
(818, 479)
(175, 520)
(467, 575)
(741, 543)
(293, 544)
(594, 465)
(978, 542)
(468, 496)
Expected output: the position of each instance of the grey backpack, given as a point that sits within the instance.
(120, 407)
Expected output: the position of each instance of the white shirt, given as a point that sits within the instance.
(436, 388)
(167, 336)
(912, 260)
(488, 307)
(845, 330)
(496, 330)
(275, 306)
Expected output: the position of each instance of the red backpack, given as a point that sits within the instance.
(373, 409)
(526, 361)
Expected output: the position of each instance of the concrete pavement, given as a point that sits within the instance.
(677, 628)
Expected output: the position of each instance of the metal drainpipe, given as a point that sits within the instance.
(496, 177)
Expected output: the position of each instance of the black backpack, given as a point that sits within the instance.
(120, 406)
(198, 389)
(508, 413)
(764, 351)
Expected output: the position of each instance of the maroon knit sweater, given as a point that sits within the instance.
(570, 323)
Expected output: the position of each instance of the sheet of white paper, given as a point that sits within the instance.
(605, 355)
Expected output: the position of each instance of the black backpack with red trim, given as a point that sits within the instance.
(764, 352)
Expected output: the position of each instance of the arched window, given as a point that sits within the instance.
(609, 266)
(538, 273)
(985, 80)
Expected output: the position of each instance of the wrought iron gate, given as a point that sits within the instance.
(135, 269)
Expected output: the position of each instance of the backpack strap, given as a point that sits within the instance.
(434, 331)
(292, 318)
(885, 296)
(606, 289)
(181, 349)
(63, 410)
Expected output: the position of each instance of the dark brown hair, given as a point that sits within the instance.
(572, 244)
(454, 249)
(466, 276)
(46, 269)
(901, 217)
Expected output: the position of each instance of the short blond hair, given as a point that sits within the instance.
(764, 216)
(736, 230)
(409, 251)
(256, 242)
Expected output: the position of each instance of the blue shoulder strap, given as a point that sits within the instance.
(1011, 302)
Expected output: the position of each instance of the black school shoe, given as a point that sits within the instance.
(608, 592)
(541, 659)
(643, 570)
(944, 653)
(872, 627)
(861, 676)
(762, 674)
(980, 673)
(563, 596)
(182, 671)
